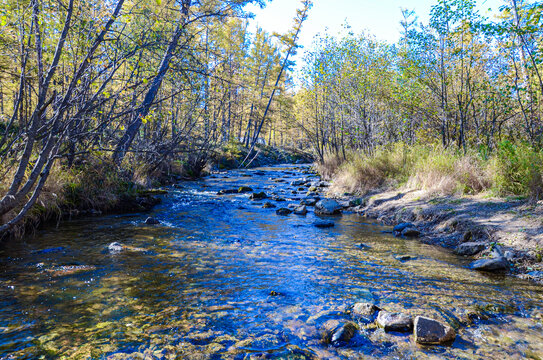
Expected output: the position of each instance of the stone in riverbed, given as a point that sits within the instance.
(339, 334)
(470, 248)
(410, 232)
(152, 221)
(244, 189)
(324, 224)
(268, 205)
(364, 311)
(401, 227)
(227, 191)
(258, 196)
(299, 182)
(494, 264)
(300, 210)
(115, 248)
(328, 207)
(309, 202)
(283, 211)
(394, 321)
(431, 332)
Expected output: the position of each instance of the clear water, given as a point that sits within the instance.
(201, 285)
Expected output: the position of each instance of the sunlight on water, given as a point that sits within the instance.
(222, 277)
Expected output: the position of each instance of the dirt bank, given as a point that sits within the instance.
(516, 225)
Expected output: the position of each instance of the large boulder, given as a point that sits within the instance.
(470, 248)
(328, 207)
(494, 264)
(410, 232)
(431, 332)
(394, 321)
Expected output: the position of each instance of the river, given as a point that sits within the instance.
(223, 278)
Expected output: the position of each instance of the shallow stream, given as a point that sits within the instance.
(223, 278)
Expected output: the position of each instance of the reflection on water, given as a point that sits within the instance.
(222, 278)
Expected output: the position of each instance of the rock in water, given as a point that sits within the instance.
(244, 189)
(394, 321)
(410, 232)
(301, 210)
(337, 333)
(324, 224)
(283, 211)
(364, 311)
(268, 205)
(309, 202)
(401, 227)
(115, 248)
(258, 196)
(152, 221)
(432, 332)
(470, 248)
(328, 207)
(495, 264)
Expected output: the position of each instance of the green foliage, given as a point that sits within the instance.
(518, 170)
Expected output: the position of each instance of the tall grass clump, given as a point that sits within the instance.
(518, 170)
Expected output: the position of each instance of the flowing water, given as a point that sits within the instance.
(223, 278)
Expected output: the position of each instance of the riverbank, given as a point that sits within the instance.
(98, 187)
(468, 225)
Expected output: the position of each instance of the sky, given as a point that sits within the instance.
(379, 17)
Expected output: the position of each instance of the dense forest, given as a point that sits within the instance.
(97, 96)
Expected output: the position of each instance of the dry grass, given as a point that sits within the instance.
(427, 168)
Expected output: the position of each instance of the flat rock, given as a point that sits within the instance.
(470, 248)
(328, 207)
(494, 264)
(258, 196)
(244, 189)
(394, 321)
(431, 332)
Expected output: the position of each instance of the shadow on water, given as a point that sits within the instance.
(221, 277)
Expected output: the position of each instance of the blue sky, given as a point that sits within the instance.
(380, 17)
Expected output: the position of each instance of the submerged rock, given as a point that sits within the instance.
(324, 224)
(152, 221)
(470, 248)
(394, 321)
(328, 207)
(300, 210)
(495, 264)
(431, 332)
(283, 211)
